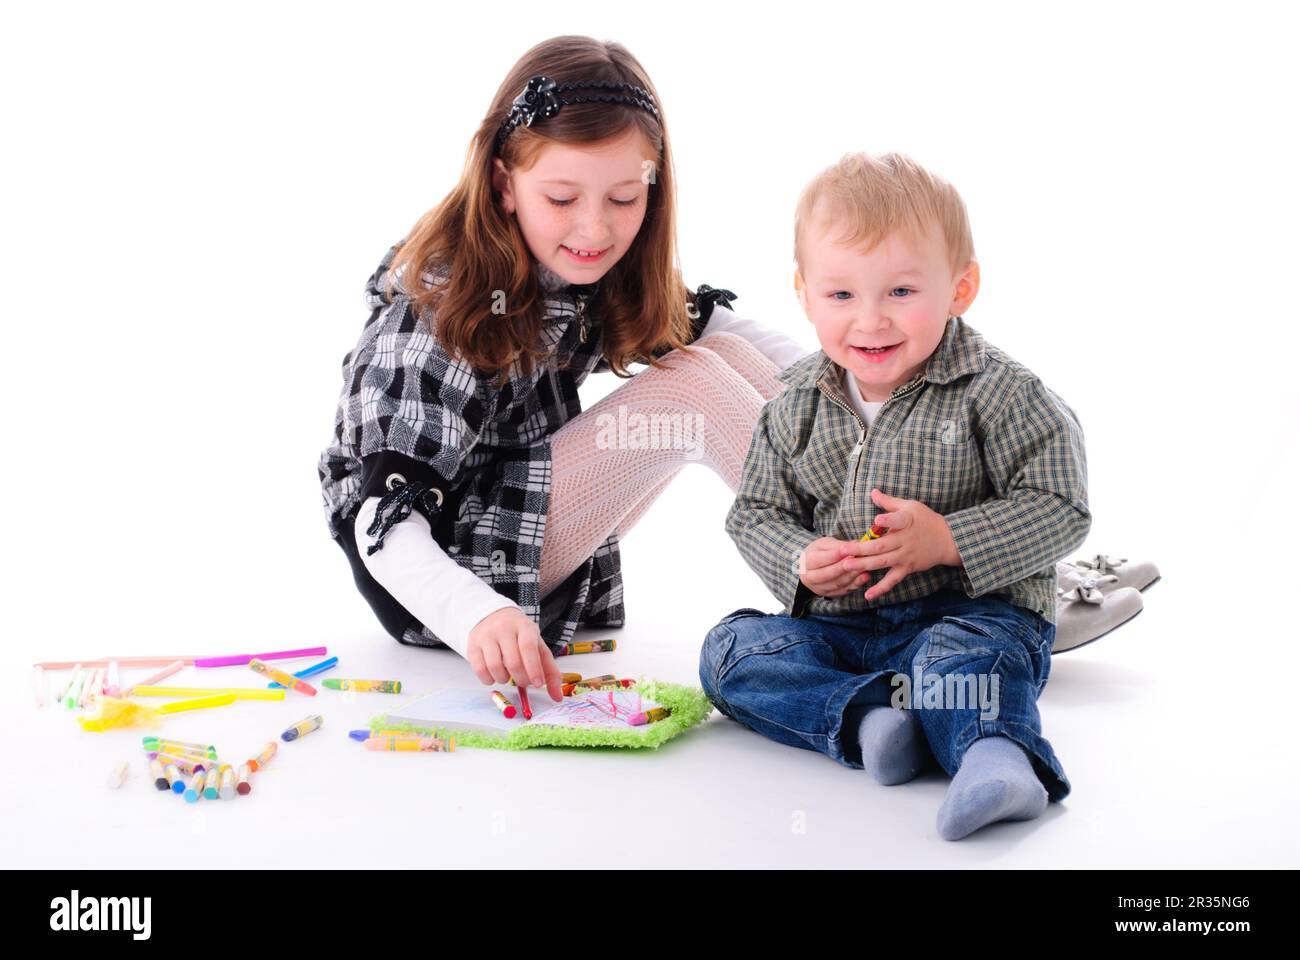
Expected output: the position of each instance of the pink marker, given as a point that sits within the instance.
(245, 658)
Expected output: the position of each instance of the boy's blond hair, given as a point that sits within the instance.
(873, 196)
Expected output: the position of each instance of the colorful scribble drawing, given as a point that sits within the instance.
(606, 709)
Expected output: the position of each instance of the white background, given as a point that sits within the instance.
(194, 198)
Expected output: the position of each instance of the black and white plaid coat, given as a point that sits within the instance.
(423, 431)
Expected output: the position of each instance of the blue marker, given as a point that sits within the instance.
(361, 736)
(311, 671)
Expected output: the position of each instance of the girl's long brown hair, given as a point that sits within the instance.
(469, 239)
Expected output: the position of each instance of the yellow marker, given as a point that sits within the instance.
(239, 693)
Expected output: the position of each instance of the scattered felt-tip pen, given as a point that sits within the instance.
(311, 671)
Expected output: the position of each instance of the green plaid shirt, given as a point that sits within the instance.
(975, 436)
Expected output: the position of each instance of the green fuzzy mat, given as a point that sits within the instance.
(689, 706)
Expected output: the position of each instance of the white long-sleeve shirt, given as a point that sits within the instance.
(443, 595)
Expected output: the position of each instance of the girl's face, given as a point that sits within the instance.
(580, 207)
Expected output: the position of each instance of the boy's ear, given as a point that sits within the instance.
(501, 183)
(968, 286)
(800, 291)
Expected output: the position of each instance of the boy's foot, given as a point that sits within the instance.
(893, 744)
(995, 782)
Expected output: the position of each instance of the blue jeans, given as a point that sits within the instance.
(807, 681)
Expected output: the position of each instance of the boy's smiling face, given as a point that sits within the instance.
(580, 200)
(898, 295)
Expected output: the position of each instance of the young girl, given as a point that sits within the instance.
(478, 507)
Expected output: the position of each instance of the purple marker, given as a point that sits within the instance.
(245, 658)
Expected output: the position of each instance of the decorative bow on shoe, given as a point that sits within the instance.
(1087, 589)
(1101, 563)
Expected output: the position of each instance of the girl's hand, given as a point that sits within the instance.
(824, 569)
(505, 644)
(917, 539)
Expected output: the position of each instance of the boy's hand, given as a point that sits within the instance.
(505, 644)
(917, 539)
(823, 568)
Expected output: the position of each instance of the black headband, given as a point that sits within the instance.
(543, 98)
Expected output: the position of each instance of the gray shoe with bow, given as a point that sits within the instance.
(1092, 607)
(1139, 575)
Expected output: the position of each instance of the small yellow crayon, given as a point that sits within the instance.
(567, 688)
(302, 728)
(263, 758)
(564, 678)
(411, 744)
(171, 746)
(649, 716)
(603, 684)
(186, 765)
(587, 646)
(364, 686)
(875, 533)
(282, 678)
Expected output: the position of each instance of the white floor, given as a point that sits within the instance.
(1176, 757)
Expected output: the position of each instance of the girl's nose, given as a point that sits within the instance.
(594, 231)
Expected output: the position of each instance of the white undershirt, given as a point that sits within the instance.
(443, 595)
(866, 410)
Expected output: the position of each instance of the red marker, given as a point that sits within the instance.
(523, 699)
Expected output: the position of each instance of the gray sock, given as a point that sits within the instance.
(893, 744)
(996, 781)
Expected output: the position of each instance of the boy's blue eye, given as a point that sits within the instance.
(837, 293)
(906, 290)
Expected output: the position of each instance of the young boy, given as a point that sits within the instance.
(910, 423)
